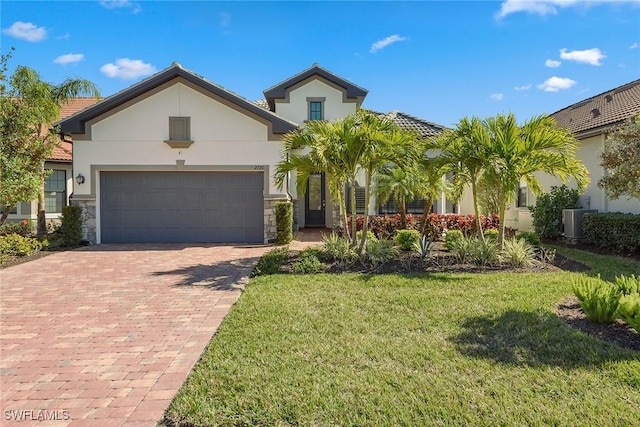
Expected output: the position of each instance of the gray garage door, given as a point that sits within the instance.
(201, 207)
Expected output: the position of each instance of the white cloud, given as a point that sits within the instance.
(381, 44)
(68, 58)
(523, 87)
(26, 31)
(555, 84)
(496, 96)
(588, 56)
(121, 4)
(635, 45)
(126, 68)
(552, 63)
(540, 7)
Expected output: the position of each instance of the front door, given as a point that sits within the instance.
(314, 202)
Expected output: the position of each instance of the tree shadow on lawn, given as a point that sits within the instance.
(534, 339)
(222, 276)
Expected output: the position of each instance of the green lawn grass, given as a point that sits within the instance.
(387, 350)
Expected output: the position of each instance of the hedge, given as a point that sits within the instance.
(387, 226)
(615, 231)
(284, 222)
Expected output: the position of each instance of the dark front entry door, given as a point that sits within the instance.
(314, 202)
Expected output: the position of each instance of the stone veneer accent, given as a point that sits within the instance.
(296, 214)
(270, 228)
(87, 218)
(336, 220)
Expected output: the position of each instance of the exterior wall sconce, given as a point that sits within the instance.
(80, 179)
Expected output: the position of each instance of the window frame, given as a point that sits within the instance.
(311, 101)
(48, 192)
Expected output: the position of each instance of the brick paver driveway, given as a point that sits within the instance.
(106, 335)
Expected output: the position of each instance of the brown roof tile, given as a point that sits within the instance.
(601, 110)
(64, 149)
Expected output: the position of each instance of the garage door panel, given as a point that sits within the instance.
(218, 207)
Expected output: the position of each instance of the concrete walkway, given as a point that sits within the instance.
(106, 335)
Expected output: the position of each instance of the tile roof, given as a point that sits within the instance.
(64, 150)
(601, 110)
(406, 121)
(76, 122)
(262, 103)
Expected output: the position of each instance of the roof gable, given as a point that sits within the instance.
(607, 108)
(279, 91)
(76, 123)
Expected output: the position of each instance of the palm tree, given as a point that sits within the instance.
(431, 186)
(44, 101)
(399, 184)
(465, 151)
(330, 147)
(518, 152)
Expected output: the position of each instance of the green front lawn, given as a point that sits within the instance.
(439, 349)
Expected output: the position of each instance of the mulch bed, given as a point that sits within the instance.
(16, 260)
(618, 332)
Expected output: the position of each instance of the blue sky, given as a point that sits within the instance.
(439, 61)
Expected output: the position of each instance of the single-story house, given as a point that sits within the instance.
(590, 120)
(178, 158)
(58, 185)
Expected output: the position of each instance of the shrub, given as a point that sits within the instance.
(22, 228)
(71, 227)
(475, 251)
(491, 234)
(339, 248)
(518, 253)
(629, 310)
(309, 262)
(370, 235)
(483, 253)
(451, 238)
(531, 238)
(271, 262)
(598, 299)
(17, 245)
(423, 247)
(407, 239)
(615, 231)
(628, 284)
(284, 222)
(379, 251)
(547, 255)
(547, 213)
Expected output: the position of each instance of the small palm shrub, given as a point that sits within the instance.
(339, 248)
(518, 253)
(380, 251)
(598, 299)
(271, 262)
(547, 255)
(451, 238)
(531, 238)
(628, 284)
(407, 239)
(309, 262)
(475, 251)
(629, 310)
(484, 253)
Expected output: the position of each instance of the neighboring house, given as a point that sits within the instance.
(590, 120)
(58, 185)
(177, 158)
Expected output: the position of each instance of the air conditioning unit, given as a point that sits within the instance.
(572, 220)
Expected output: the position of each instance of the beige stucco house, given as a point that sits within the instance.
(177, 158)
(590, 120)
